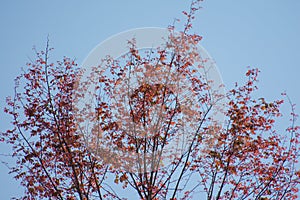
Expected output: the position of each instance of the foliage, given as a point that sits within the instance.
(151, 125)
(51, 160)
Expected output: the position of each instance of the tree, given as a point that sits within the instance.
(148, 120)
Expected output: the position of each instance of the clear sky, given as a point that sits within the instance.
(237, 34)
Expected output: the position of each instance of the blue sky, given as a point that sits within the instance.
(237, 34)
